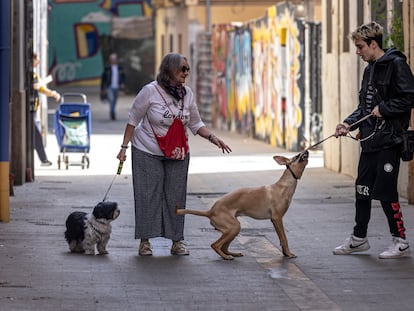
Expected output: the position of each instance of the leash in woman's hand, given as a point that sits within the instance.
(118, 172)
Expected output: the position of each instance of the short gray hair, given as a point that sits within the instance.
(169, 65)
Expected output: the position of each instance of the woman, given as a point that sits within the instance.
(160, 183)
(40, 87)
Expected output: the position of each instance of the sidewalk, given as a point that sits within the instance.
(38, 273)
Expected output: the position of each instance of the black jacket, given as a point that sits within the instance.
(107, 77)
(394, 84)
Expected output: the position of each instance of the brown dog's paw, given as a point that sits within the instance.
(221, 253)
(289, 255)
(233, 254)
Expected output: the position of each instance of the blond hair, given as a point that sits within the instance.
(368, 32)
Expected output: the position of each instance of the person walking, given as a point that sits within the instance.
(40, 87)
(160, 183)
(386, 95)
(112, 80)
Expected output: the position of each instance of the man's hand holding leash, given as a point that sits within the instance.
(342, 129)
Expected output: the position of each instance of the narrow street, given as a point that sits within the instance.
(38, 273)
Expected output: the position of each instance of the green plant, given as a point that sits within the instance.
(397, 32)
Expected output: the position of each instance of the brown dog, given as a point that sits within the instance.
(265, 202)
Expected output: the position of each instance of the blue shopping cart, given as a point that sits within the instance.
(72, 125)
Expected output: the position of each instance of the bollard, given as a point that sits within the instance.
(29, 175)
(11, 184)
(4, 192)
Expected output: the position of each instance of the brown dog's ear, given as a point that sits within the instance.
(281, 160)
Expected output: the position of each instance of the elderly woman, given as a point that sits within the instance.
(160, 182)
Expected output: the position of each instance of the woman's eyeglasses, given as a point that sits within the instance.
(185, 69)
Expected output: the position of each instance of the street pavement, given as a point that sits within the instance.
(38, 273)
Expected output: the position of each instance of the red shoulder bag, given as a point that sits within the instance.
(174, 144)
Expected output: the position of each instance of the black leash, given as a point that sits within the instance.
(113, 179)
(333, 135)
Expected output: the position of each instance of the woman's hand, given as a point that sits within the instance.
(55, 95)
(219, 143)
(121, 155)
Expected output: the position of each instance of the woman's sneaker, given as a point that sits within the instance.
(178, 248)
(399, 248)
(145, 248)
(351, 245)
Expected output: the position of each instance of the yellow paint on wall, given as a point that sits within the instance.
(4, 192)
(82, 44)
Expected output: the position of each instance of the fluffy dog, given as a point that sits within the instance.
(265, 202)
(84, 231)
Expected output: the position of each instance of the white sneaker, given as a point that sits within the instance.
(399, 248)
(352, 244)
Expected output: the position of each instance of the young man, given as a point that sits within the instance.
(386, 95)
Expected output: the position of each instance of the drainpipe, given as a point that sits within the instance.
(308, 100)
(208, 16)
(5, 12)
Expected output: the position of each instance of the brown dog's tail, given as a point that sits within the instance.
(182, 211)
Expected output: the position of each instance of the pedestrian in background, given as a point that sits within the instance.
(386, 95)
(160, 183)
(112, 80)
(39, 86)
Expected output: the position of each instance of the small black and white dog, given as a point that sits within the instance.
(84, 231)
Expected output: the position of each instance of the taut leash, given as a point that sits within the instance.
(319, 142)
(113, 179)
(353, 124)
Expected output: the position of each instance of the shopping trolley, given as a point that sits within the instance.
(72, 125)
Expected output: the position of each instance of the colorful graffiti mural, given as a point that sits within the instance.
(278, 113)
(233, 84)
(259, 84)
(81, 36)
(219, 57)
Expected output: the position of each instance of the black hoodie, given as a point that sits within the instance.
(394, 84)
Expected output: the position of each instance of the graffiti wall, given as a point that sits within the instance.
(82, 33)
(219, 44)
(260, 76)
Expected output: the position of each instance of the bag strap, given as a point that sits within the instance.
(175, 117)
(159, 92)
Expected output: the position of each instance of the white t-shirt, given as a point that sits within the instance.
(149, 106)
(114, 77)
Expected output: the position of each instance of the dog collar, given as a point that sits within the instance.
(290, 170)
(94, 229)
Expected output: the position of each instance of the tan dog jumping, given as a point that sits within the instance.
(265, 202)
